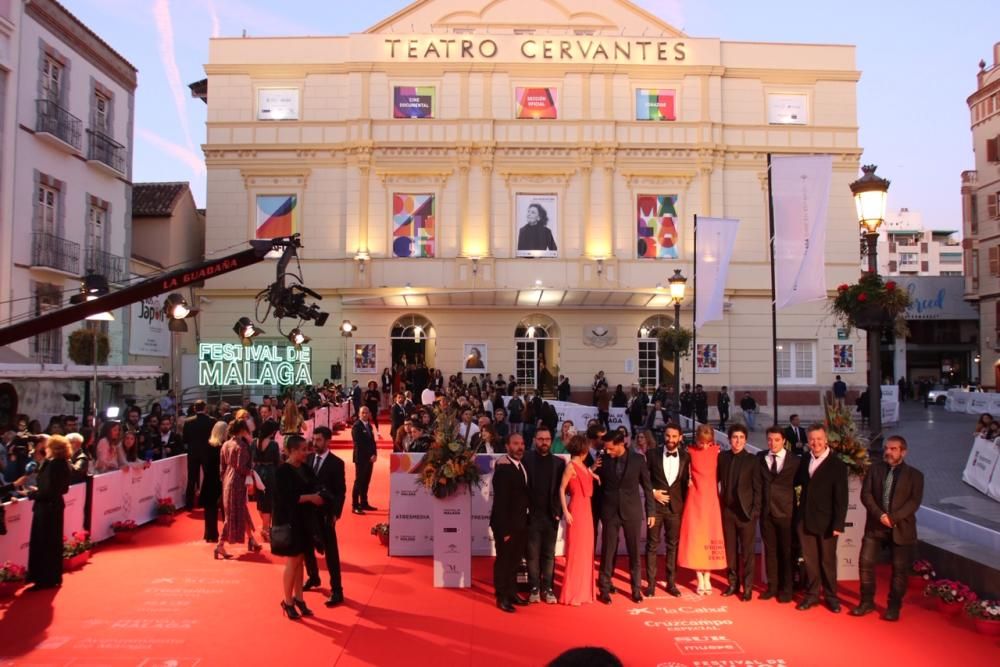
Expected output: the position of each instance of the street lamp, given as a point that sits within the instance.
(979, 368)
(93, 286)
(871, 194)
(678, 285)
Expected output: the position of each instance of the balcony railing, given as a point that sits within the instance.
(54, 120)
(55, 252)
(110, 266)
(103, 148)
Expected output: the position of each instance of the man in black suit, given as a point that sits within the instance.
(397, 415)
(823, 513)
(623, 473)
(796, 436)
(365, 452)
(595, 448)
(545, 471)
(509, 521)
(740, 498)
(669, 476)
(892, 493)
(329, 472)
(197, 430)
(778, 470)
(167, 442)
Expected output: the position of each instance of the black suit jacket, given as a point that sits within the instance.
(620, 497)
(397, 415)
(197, 430)
(823, 503)
(739, 476)
(173, 446)
(795, 442)
(510, 500)
(778, 491)
(558, 468)
(364, 441)
(658, 479)
(907, 494)
(331, 477)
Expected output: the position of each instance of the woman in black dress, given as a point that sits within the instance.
(266, 459)
(373, 400)
(45, 550)
(211, 481)
(294, 494)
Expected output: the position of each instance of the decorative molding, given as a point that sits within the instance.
(600, 335)
(261, 177)
(415, 177)
(659, 178)
(537, 176)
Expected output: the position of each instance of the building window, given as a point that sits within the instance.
(649, 363)
(97, 225)
(52, 72)
(48, 209)
(796, 362)
(907, 260)
(994, 256)
(102, 114)
(951, 258)
(991, 206)
(46, 347)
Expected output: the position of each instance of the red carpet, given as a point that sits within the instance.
(163, 598)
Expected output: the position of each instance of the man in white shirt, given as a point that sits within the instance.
(466, 429)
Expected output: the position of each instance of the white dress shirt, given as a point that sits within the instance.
(815, 462)
(780, 457)
(671, 466)
(466, 431)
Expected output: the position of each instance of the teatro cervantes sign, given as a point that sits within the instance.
(507, 48)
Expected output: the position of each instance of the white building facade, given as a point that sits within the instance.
(907, 248)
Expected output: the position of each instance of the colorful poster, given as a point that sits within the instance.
(365, 357)
(412, 225)
(277, 215)
(537, 225)
(656, 217)
(475, 358)
(413, 101)
(653, 104)
(707, 357)
(843, 357)
(536, 103)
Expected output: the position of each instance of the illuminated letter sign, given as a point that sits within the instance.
(223, 364)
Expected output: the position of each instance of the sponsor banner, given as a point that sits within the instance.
(452, 540)
(131, 494)
(849, 544)
(981, 467)
(890, 412)
(150, 336)
(655, 104)
(14, 545)
(958, 400)
(979, 403)
(75, 509)
(106, 504)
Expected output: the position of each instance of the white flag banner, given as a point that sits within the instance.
(800, 189)
(716, 238)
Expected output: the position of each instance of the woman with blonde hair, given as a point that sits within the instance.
(211, 482)
(702, 545)
(291, 418)
(46, 545)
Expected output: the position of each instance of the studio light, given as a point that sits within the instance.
(93, 286)
(347, 329)
(113, 411)
(176, 307)
(297, 338)
(246, 330)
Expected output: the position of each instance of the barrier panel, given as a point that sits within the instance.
(981, 467)
(131, 494)
(14, 545)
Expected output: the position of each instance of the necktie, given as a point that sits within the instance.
(620, 466)
(887, 490)
(316, 464)
(774, 464)
(520, 469)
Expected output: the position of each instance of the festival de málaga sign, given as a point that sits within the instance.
(224, 364)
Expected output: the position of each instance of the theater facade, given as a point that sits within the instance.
(507, 185)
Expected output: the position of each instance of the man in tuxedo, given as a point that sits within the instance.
(778, 470)
(595, 448)
(365, 452)
(669, 476)
(891, 493)
(545, 470)
(329, 472)
(796, 436)
(823, 510)
(397, 415)
(563, 389)
(623, 473)
(509, 521)
(197, 430)
(167, 442)
(740, 498)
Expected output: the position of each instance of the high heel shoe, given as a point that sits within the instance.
(301, 606)
(221, 553)
(289, 610)
(253, 546)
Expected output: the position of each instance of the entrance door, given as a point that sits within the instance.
(526, 363)
(407, 352)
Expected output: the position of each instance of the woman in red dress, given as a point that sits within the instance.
(234, 466)
(702, 547)
(578, 481)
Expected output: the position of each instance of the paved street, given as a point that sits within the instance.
(940, 442)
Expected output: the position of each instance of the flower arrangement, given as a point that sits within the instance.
(923, 570)
(950, 592)
(985, 610)
(12, 573)
(448, 462)
(165, 507)
(674, 340)
(381, 530)
(871, 303)
(123, 526)
(843, 437)
(76, 544)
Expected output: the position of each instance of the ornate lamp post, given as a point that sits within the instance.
(871, 194)
(678, 285)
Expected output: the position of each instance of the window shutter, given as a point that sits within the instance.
(991, 150)
(991, 206)
(893, 266)
(925, 267)
(994, 260)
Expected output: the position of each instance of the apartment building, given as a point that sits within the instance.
(907, 248)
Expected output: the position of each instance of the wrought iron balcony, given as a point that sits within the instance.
(56, 121)
(110, 266)
(54, 252)
(102, 148)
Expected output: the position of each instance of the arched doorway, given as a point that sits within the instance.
(652, 370)
(536, 353)
(413, 341)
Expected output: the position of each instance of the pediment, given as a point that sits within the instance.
(602, 17)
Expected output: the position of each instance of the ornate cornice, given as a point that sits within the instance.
(416, 177)
(658, 178)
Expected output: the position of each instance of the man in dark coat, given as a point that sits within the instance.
(197, 430)
(545, 471)
(329, 472)
(779, 469)
(365, 452)
(509, 521)
(669, 476)
(740, 498)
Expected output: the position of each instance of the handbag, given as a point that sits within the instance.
(254, 481)
(281, 539)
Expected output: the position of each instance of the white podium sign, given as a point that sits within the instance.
(981, 465)
(849, 544)
(452, 517)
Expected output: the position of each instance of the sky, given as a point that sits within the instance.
(918, 61)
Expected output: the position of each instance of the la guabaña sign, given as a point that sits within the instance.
(227, 364)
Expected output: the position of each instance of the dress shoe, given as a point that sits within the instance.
(358, 510)
(891, 614)
(649, 591)
(369, 508)
(766, 595)
(807, 603)
(833, 606)
(785, 598)
(862, 609)
(312, 582)
(729, 591)
(604, 598)
(747, 596)
(503, 605)
(337, 597)
(519, 601)
(636, 596)
(673, 590)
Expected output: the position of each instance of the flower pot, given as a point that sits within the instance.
(76, 562)
(8, 588)
(124, 536)
(871, 316)
(383, 539)
(164, 519)
(949, 608)
(987, 627)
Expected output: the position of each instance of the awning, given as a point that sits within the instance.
(73, 372)
(513, 298)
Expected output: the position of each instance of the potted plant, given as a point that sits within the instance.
(675, 340)
(124, 530)
(949, 596)
(871, 303)
(12, 577)
(165, 510)
(845, 442)
(382, 531)
(76, 550)
(985, 615)
(921, 574)
(81, 347)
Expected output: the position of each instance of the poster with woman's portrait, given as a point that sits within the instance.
(843, 358)
(474, 358)
(537, 225)
(365, 359)
(707, 357)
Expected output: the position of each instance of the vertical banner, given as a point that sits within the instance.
(452, 517)
(412, 225)
(716, 238)
(849, 544)
(800, 187)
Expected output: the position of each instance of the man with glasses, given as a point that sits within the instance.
(545, 472)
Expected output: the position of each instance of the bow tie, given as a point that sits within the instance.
(668, 454)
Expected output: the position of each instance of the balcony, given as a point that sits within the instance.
(110, 266)
(106, 153)
(52, 252)
(58, 126)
